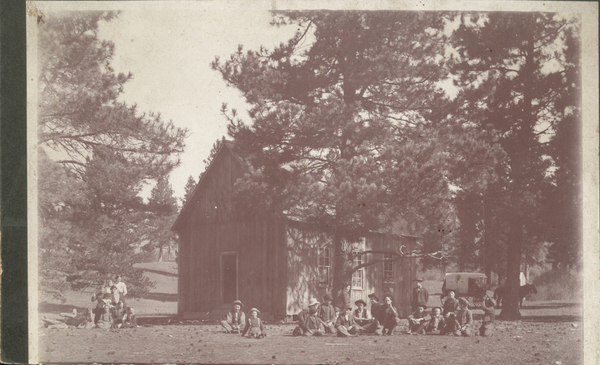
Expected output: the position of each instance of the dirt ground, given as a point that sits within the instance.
(549, 333)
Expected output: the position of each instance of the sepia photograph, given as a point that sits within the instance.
(313, 183)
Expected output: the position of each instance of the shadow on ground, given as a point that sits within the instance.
(46, 307)
(161, 297)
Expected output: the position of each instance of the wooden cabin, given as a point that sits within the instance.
(267, 262)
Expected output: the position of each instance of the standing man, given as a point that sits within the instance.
(343, 299)
(121, 288)
(420, 295)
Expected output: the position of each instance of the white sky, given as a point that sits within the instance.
(168, 46)
(169, 53)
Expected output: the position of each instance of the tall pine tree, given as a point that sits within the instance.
(342, 115)
(514, 72)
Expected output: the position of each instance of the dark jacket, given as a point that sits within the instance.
(314, 323)
(450, 305)
(420, 297)
(326, 312)
(342, 321)
(389, 315)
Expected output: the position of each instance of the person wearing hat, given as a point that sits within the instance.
(463, 321)
(344, 299)
(313, 324)
(235, 320)
(417, 321)
(420, 295)
(346, 325)
(437, 322)
(389, 315)
(450, 306)
(376, 311)
(254, 326)
(326, 313)
(362, 316)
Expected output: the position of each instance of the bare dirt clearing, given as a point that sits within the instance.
(550, 332)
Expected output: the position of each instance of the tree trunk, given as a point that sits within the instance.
(518, 161)
(510, 303)
(342, 266)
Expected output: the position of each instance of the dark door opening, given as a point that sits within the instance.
(229, 267)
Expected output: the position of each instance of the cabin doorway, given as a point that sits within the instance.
(229, 276)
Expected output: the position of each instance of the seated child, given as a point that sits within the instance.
(326, 313)
(118, 314)
(313, 324)
(362, 316)
(463, 321)
(346, 325)
(436, 323)
(418, 320)
(254, 327)
(236, 319)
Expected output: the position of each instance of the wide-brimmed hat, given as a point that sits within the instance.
(237, 302)
(373, 296)
(450, 290)
(327, 297)
(254, 310)
(418, 279)
(313, 301)
(463, 301)
(348, 307)
(434, 308)
(422, 305)
(361, 301)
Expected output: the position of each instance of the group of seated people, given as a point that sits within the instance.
(236, 322)
(322, 318)
(110, 307)
(454, 318)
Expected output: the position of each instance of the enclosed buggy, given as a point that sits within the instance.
(468, 285)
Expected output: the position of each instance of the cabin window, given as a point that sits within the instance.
(324, 266)
(388, 268)
(357, 276)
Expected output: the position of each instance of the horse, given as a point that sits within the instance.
(524, 291)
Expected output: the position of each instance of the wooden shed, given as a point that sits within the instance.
(267, 262)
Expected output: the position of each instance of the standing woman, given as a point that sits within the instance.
(389, 315)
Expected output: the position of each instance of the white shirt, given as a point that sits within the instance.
(121, 288)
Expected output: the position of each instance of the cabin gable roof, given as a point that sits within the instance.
(227, 147)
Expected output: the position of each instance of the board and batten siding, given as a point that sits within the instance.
(302, 245)
(210, 230)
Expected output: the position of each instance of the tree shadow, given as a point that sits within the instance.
(161, 297)
(552, 319)
(537, 306)
(45, 307)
